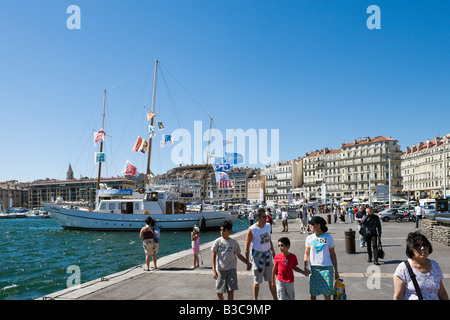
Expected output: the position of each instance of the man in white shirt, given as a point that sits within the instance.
(284, 217)
(419, 212)
(258, 236)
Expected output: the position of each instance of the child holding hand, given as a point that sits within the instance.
(284, 265)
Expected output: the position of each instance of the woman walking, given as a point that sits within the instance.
(427, 272)
(321, 256)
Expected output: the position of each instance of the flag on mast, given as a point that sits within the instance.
(129, 169)
(99, 136)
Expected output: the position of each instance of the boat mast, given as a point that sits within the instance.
(151, 123)
(206, 166)
(101, 142)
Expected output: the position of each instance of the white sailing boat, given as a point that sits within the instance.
(125, 210)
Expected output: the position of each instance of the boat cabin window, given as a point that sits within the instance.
(152, 196)
(103, 206)
(112, 206)
(137, 206)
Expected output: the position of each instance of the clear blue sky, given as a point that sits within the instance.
(311, 69)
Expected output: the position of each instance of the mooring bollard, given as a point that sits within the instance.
(350, 241)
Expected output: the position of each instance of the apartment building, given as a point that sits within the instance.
(76, 190)
(322, 173)
(352, 172)
(425, 168)
(256, 189)
(281, 179)
(12, 195)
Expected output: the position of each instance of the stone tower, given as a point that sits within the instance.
(69, 175)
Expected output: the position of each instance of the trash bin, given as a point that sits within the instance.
(350, 241)
(328, 218)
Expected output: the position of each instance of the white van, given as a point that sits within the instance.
(428, 205)
(426, 202)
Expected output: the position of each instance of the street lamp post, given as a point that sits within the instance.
(370, 191)
(444, 169)
(390, 186)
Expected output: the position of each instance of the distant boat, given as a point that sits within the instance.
(38, 214)
(125, 210)
(14, 213)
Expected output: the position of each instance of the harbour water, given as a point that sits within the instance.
(36, 254)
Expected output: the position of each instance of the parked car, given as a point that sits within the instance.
(429, 208)
(377, 208)
(388, 214)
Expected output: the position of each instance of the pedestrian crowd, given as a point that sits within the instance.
(418, 277)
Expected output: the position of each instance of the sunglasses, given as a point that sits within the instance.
(420, 245)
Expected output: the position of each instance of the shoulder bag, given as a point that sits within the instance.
(363, 230)
(414, 280)
(380, 249)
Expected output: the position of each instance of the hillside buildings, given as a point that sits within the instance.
(188, 182)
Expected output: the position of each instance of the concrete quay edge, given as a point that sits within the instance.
(173, 280)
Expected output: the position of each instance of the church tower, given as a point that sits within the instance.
(69, 175)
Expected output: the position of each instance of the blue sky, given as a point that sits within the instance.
(311, 69)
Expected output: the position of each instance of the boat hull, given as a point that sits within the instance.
(12, 216)
(75, 219)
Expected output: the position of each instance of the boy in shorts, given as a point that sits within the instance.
(285, 263)
(224, 252)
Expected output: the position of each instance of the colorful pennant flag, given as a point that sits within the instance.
(99, 157)
(166, 140)
(223, 181)
(150, 116)
(129, 169)
(137, 144)
(226, 185)
(160, 125)
(151, 132)
(143, 147)
(99, 136)
(225, 167)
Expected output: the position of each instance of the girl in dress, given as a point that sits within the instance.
(195, 241)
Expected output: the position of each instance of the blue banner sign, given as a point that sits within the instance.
(114, 192)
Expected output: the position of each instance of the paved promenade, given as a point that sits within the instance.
(173, 280)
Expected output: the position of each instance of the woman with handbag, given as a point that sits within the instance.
(419, 278)
(372, 225)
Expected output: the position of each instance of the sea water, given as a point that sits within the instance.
(36, 255)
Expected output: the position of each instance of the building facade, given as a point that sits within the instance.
(256, 187)
(281, 179)
(354, 172)
(425, 169)
(73, 190)
(12, 195)
(322, 173)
